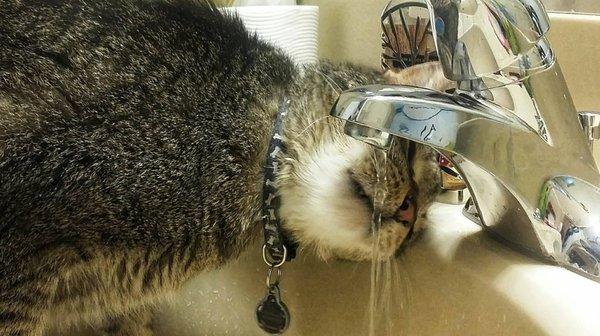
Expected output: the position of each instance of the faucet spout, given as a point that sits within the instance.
(510, 128)
(518, 180)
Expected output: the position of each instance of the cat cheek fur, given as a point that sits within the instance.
(321, 207)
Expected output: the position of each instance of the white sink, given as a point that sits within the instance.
(455, 281)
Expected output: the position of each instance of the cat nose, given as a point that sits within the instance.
(407, 211)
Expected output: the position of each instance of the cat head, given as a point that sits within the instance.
(329, 182)
(329, 201)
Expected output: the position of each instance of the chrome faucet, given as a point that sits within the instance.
(510, 128)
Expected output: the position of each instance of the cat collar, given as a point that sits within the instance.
(272, 314)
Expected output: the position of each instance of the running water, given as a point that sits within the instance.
(389, 290)
(386, 284)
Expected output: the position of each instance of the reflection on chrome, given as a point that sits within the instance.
(510, 128)
(570, 206)
(590, 121)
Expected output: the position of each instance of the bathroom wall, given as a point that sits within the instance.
(349, 30)
(579, 6)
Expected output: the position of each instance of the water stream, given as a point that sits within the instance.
(388, 292)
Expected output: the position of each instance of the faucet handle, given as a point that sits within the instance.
(479, 38)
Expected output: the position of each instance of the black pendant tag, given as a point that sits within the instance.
(272, 314)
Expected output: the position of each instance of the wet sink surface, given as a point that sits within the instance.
(455, 280)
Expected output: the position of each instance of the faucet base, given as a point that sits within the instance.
(470, 211)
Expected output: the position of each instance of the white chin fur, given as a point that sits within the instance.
(321, 208)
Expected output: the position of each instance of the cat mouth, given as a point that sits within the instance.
(404, 215)
(407, 212)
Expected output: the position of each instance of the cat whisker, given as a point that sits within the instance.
(311, 125)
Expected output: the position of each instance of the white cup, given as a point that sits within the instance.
(290, 28)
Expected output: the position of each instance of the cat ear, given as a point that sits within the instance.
(428, 75)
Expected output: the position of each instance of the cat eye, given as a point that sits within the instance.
(406, 204)
(360, 192)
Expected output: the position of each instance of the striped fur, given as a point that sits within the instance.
(132, 135)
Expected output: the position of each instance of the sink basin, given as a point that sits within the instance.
(454, 280)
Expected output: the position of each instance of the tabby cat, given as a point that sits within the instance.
(132, 140)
